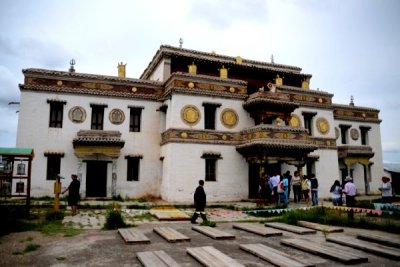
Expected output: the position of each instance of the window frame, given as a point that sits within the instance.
(53, 166)
(210, 112)
(56, 113)
(133, 168)
(135, 119)
(97, 118)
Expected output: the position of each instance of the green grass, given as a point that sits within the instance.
(209, 223)
(31, 247)
(340, 218)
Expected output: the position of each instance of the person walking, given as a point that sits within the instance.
(199, 203)
(295, 183)
(73, 194)
(350, 190)
(386, 190)
(314, 190)
(336, 191)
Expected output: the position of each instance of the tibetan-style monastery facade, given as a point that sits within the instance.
(192, 115)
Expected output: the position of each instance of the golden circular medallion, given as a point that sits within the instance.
(59, 83)
(190, 114)
(320, 100)
(224, 137)
(191, 85)
(322, 125)
(229, 118)
(184, 135)
(134, 89)
(294, 121)
(232, 89)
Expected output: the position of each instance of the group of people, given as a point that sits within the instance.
(276, 189)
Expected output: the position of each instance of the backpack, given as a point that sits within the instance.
(281, 187)
(314, 183)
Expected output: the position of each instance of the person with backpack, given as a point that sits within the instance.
(314, 190)
(305, 189)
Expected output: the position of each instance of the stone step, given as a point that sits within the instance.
(258, 229)
(377, 249)
(320, 227)
(132, 236)
(170, 234)
(212, 257)
(291, 228)
(213, 232)
(274, 256)
(156, 259)
(323, 250)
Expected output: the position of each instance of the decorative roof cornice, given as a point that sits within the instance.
(286, 88)
(170, 51)
(76, 76)
(85, 91)
(350, 107)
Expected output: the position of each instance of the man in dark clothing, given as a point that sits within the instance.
(199, 203)
(73, 194)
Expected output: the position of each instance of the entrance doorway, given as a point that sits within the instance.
(255, 173)
(96, 178)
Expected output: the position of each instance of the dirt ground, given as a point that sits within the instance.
(107, 248)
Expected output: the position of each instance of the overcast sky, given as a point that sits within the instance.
(350, 47)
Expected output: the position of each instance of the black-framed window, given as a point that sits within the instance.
(53, 166)
(211, 169)
(209, 115)
(344, 133)
(364, 135)
(97, 122)
(135, 119)
(308, 121)
(210, 159)
(56, 113)
(133, 168)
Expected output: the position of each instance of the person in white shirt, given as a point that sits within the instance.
(386, 190)
(350, 190)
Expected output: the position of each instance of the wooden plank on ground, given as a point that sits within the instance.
(133, 236)
(156, 259)
(213, 232)
(377, 249)
(320, 227)
(291, 228)
(257, 229)
(274, 256)
(384, 240)
(170, 234)
(212, 257)
(341, 255)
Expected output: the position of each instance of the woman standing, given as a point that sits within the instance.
(336, 191)
(296, 185)
(386, 190)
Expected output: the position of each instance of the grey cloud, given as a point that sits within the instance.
(220, 14)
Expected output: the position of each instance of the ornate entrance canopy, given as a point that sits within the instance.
(95, 142)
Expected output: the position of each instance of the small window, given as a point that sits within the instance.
(308, 121)
(211, 167)
(344, 129)
(135, 119)
(56, 114)
(209, 115)
(53, 166)
(364, 135)
(97, 117)
(133, 168)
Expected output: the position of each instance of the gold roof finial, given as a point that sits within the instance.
(121, 70)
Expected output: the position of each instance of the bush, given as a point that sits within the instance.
(114, 219)
(208, 223)
(52, 215)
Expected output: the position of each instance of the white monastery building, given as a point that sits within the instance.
(192, 115)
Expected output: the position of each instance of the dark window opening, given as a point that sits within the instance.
(133, 168)
(97, 117)
(211, 166)
(135, 119)
(364, 135)
(209, 115)
(344, 133)
(56, 114)
(53, 166)
(308, 119)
